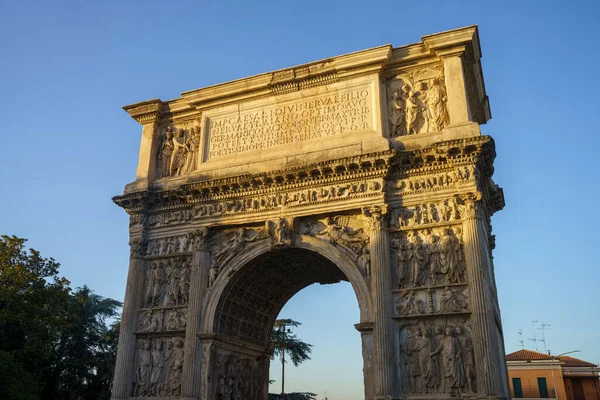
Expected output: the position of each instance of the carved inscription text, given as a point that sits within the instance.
(344, 112)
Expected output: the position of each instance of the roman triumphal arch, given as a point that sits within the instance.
(368, 167)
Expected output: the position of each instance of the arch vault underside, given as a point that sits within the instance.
(377, 175)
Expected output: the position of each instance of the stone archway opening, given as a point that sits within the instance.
(246, 311)
(251, 301)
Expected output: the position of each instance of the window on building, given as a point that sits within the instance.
(543, 388)
(517, 388)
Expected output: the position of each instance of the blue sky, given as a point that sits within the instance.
(68, 66)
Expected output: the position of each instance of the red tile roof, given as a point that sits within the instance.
(527, 355)
(530, 355)
(575, 362)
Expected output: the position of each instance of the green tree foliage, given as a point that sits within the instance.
(15, 382)
(295, 349)
(54, 333)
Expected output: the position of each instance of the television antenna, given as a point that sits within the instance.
(545, 327)
(534, 340)
(521, 344)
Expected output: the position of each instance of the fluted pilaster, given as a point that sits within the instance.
(126, 350)
(482, 318)
(381, 278)
(190, 380)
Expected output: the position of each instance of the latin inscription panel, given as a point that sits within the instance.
(344, 111)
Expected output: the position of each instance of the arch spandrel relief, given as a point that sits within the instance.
(363, 168)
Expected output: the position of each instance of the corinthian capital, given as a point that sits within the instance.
(199, 239)
(137, 248)
(471, 207)
(377, 215)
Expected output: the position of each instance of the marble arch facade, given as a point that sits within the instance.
(368, 167)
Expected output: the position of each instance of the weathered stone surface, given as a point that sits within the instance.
(367, 167)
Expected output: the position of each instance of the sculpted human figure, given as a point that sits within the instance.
(447, 254)
(435, 99)
(451, 301)
(432, 380)
(397, 115)
(172, 284)
(230, 248)
(158, 284)
(466, 345)
(419, 262)
(403, 256)
(176, 368)
(142, 373)
(150, 283)
(414, 372)
(213, 273)
(176, 321)
(433, 252)
(458, 275)
(158, 367)
(192, 146)
(409, 307)
(429, 372)
(150, 322)
(364, 261)
(179, 153)
(166, 153)
(449, 348)
(184, 283)
(282, 232)
(412, 112)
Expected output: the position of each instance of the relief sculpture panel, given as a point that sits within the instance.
(417, 102)
(431, 257)
(167, 282)
(348, 233)
(437, 357)
(158, 367)
(178, 150)
(236, 376)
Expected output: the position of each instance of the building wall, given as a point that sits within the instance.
(590, 388)
(529, 382)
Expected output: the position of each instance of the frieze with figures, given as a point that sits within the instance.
(267, 202)
(433, 300)
(167, 282)
(158, 367)
(162, 320)
(426, 214)
(432, 182)
(437, 357)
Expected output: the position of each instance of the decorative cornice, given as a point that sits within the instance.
(146, 111)
(368, 167)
